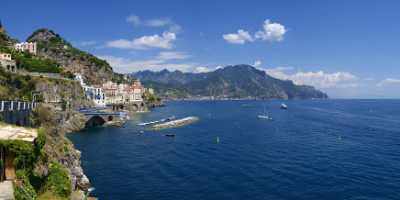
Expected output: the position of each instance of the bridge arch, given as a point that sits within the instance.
(135, 107)
(95, 121)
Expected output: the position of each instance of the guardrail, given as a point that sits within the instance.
(16, 106)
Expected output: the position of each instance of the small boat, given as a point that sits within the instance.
(284, 106)
(169, 135)
(264, 115)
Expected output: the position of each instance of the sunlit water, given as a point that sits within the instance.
(333, 149)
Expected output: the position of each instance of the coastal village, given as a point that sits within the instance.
(49, 102)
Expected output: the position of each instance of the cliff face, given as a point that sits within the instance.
(239, 81)
(52, 46)
(62, 91)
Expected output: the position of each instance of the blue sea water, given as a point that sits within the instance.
(317, 149)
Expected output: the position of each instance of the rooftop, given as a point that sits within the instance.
(9, 132)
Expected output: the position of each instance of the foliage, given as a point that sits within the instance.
(24, 152)
(40, 142)
(13, 86)
(67, 74)
(151, 98)
(23, 189)
(58, 180)
(42, 115)
(32, 63)
(48, 195)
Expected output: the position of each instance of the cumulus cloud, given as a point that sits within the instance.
(240, 37)
(164, 41)
(389, 82)
(257, 63)
(158, 22)
(272, 32)
(318, 79)
(156, 63)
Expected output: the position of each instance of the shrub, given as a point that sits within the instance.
(58, 180)
(43, 116)
(23, 189)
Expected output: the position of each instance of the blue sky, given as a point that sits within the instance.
(346, 48)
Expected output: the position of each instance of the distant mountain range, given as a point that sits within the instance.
(238, 81)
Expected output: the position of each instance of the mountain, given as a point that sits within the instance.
(239, 81)
(52, 46)
(5, 39)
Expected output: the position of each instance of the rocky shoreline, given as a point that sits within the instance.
(73, 122)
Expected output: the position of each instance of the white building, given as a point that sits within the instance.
(31, 47)
(93, 93)
(7, 63)
(123, 93)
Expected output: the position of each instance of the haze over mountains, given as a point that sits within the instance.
(238, 81)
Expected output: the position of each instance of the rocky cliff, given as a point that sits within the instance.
(52, 46)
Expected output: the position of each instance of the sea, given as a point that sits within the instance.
(314, 150)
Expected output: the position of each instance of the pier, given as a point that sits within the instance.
(176, 123)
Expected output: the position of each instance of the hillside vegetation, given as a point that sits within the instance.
(52, 46)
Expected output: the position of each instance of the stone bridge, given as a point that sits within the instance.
(98, 117)
(16, 112)
(139, 106)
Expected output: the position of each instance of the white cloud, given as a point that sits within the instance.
(172, 55)
(240, 37)
(163, 41)
(201, 70)
(135, 20)
(257, 63)
(318, 79)
(159, 22)
(389, 82)
(272, 31)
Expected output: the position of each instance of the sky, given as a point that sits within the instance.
(347, 48)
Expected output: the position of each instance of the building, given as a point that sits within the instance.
(7, 63)
(136, 91)
(111, 91)
(93, 93)
(7, 156)
(30, 47)
(123, 93)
